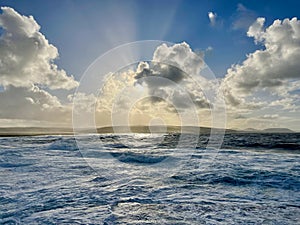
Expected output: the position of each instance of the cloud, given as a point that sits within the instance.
(169, 84)
(270, 116)
(168, 72)
(285, 103)
(26, 57)
(212, 18)
(256, 30)
(84, 102)
(243, 17)
(180, 56)
(27, 70)
(209, 49)
(22, 103)
(175, 76)
(272, 69)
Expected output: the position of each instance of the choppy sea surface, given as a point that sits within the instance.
(150, 179)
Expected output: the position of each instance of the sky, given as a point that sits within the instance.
(251, 47)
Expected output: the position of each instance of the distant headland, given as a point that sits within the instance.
(32, 131)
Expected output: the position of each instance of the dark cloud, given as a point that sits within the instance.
(171, 75)
(169, 82)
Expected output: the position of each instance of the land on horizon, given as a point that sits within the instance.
(32, 131)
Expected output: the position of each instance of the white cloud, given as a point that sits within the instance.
(256, 30)
(268, 79)
(212, 18)
(26, 57)
(273, 69)
(209, 49)
(180, 56)
(27, 69)
(22, 103)
(270, 116)
(285, 103)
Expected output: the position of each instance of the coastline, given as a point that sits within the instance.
(41, 131)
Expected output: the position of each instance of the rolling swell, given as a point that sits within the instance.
(258, 179)
(47, 182)
(254, 141)
(285, 142)
(130, 157)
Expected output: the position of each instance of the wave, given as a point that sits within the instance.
(14, 165)
(251, 178)
(116, 145)
(289, 142)
(130, 157)
(66, 144)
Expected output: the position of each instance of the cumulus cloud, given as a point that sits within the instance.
(26, 57)
(175, 75)
(170, 83)
(27, 70)
(273, 69)
(32, 103)
(180, 56)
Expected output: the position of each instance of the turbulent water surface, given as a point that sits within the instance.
(150, 179)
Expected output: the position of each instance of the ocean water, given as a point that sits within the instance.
(150, 179)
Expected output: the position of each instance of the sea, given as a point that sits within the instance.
(249, 178)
